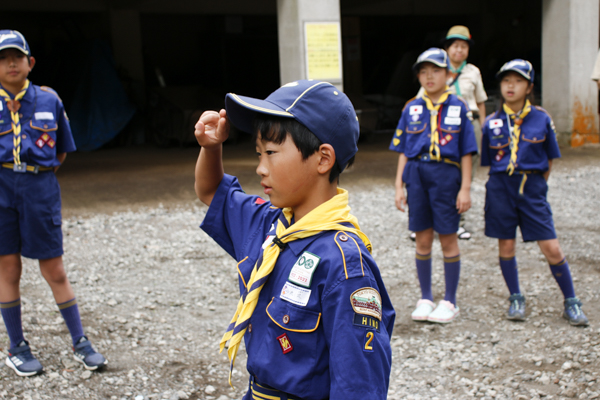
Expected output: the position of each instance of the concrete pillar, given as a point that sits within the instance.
(292, 16)
(569, 49)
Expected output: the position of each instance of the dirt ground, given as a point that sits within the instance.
(147, 277)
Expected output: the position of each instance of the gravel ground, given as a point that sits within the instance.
(155, 294)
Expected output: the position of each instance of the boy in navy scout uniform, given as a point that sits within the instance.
(34, 139)
(519, 144)
(435, 140)
(314, 312)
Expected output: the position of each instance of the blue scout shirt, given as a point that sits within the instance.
(413, 133)
(318, 340)
(45, 130)
(537, 142)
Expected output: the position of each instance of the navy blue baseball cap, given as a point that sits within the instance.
(326, 111)
(433, 55)
(522, 67)
(14, 40)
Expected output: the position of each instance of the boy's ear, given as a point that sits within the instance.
(530, 88)
(326, 155)
(31, 63)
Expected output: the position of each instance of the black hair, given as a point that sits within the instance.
(276, 130)
(448, 42)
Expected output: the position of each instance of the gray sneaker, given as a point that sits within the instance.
(516, 311)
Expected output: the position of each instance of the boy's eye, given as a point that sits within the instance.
(269, 152)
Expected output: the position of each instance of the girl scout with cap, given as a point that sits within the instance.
(314, 312)
(465, 81)
(34, 139)
(519, 144)
(435, 140)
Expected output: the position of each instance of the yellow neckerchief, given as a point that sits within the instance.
(13, 107)
(329, 216)
(434, 149)
(515, 132)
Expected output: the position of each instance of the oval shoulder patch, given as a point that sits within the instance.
(366, 301)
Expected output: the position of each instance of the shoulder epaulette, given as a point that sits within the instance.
(542, 110)
(352, 258)
(463, 101)
(408, 101)
(50, 90)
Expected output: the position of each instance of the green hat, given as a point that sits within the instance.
(458, 32)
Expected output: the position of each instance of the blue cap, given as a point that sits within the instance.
(319, 106)
(435, 56)
(519, 66)
(14, 40)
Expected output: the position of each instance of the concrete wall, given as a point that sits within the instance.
(569, 49)
(291, 15)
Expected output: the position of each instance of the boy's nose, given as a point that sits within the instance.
(261, 170)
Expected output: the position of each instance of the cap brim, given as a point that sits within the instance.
(416, 65)
(242, 110)
(14, 46)
(523, 74)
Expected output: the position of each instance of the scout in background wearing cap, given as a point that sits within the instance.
(465, 81)
(314, 312)
(519, 144)
(35, 138)
(435, 140)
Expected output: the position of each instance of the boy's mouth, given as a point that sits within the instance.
(267, 189)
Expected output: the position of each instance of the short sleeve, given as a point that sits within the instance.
(480, 94)
(485, 144)
(64, 138)
(398, 143)
(235, 218)
(551, 143)
(468, 142)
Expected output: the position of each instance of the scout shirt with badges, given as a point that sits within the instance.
(45, 130)
(535, 146)
(456, 135)
(323, 322)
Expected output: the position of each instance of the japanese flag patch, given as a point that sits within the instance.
(415, 110)
(496, 123)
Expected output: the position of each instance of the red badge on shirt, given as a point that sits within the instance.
(444, 141)
(259, 201)
(500, 155)
(45, 139)
(284, 342)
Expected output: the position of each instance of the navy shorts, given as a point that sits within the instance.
(30, 214)
(432, 188)
(505, 209)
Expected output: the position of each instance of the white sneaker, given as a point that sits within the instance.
(424, 308)
(444, 313)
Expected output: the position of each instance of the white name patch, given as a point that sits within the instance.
(452, 120)
(496, 123)
(44, 115)
(304, 268)
(295, 294)
(453, 111)
(415, 110)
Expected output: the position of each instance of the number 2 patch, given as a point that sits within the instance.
(369, 338)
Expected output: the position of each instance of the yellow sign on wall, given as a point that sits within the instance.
(323, 51)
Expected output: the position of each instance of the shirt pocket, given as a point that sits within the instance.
(293, 318)
(5, 126)
(533, 135)
(416, 129)
(43, 133)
